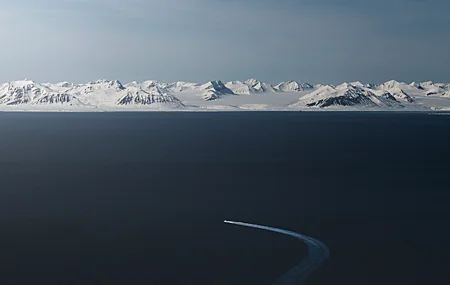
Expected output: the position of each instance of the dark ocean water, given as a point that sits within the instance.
(140, 198)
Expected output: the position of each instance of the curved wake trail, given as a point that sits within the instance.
(317, 254)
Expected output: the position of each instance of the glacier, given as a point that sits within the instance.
(248, 95)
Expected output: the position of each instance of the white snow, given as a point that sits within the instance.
(152, 95)
(355, 95)
(259, 86)
(293, 86)
(393, 84)
(238, 87)
(213, 90)
(248, 95)
(397, 92)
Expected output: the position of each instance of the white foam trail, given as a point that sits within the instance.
(317, 254)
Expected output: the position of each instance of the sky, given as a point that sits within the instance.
(317, 41)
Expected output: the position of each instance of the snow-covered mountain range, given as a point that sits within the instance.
(252, 94)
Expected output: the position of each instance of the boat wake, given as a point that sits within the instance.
(317, 254)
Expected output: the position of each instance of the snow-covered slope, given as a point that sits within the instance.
(152, 95)
(98, 93)
(428, 84)
(409, 91)
(431, 88)
(258, 86)
(254, 86)
(150, 85)
(293, 86)
(238, 87)
(20, 92)
(391, 84)
(181, 86)
(347, 95)
(357, 83)
(416, 85)
(400, 94)
(60, 86)
(32, 93)
(396, 92)
(213, 90)
(106, 95)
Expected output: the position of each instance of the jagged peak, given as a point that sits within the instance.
(347, 85)
(357, 83)
(132, 83)
(325, 87)
(64, 84)
(105, 81)
(235, 82)
(293, 86)
(215, 84)
(427, 83)
(392, 83)
(21, 83)
(109, 83)
(252, 81)
(397, 90)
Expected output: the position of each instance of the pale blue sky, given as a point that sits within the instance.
(327, 41)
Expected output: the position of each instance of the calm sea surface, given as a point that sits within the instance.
(140, 198)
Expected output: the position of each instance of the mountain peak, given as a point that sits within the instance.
(362, 85)
(347, 94)
(392, 84)
(252, 81)
(214, 89)
(110, 83)
(416, 85)
(258, 86)
(104, 93)
(293, 86)
(347, 85)
(22, 83)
